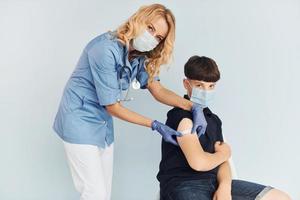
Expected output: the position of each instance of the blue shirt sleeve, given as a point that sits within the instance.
(103, 63)
(142, 76)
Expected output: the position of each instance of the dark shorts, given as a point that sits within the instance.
(204, 190)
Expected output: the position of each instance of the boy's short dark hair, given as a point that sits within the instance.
(202, 69)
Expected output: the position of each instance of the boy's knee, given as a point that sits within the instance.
(275, 194)
(284, 196)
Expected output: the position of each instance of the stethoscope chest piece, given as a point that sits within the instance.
(136, 84)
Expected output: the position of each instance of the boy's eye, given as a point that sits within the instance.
(199, 86)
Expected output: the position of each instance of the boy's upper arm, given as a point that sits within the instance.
(189, 143)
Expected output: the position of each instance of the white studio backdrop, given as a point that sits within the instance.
(255, 43)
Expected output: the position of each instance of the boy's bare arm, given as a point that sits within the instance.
(197, 158)
(224, 174)
(224, 182)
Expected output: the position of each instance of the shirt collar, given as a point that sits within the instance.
(137, 61)
(126, 54)
(186, 97)
(124, 49)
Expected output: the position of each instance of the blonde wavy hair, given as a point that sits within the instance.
(162, 53)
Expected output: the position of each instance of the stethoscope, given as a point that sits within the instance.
(128, 73)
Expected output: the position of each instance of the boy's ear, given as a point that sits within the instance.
(185, 83)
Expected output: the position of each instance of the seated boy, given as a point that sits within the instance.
(198, 168)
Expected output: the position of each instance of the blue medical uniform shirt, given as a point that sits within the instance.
(82, 117)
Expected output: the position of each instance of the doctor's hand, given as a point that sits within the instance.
(166, 132)
(199, 121)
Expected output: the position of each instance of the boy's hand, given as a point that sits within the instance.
(223, 193)
(223, 148)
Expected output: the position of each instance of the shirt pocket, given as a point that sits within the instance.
(92, 112)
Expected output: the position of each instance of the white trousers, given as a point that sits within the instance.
(91, 169)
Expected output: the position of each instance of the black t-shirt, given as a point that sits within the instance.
(174, 167)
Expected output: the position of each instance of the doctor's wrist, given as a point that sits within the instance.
(189, 105)
(153, 125)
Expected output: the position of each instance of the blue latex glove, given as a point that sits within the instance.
(199, 121)
(165, 131)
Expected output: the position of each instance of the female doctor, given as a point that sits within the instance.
(109, 65)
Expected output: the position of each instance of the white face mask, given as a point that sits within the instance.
(202, 97)
(144, 42)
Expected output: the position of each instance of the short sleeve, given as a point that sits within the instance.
(220, 134)
(175, 116)
(102, 59)
(142, 75)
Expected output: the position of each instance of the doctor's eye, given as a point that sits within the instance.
(158, 38)
(150, 28)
